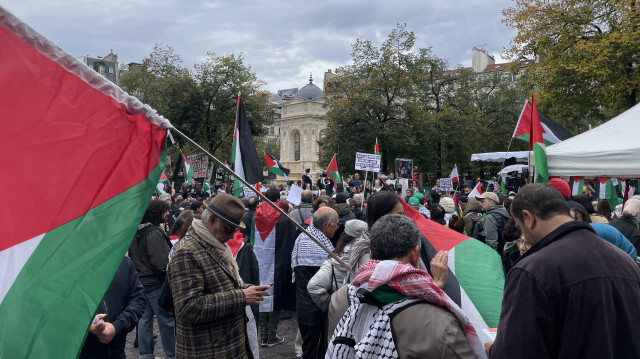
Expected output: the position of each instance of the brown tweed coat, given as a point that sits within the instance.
(209, 304)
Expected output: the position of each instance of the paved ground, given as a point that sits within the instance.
(287, 329)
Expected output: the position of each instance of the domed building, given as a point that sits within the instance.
(301, 126)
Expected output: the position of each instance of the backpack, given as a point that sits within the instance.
(500, 222)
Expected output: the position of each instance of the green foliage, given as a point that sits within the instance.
(586, 56)
(202, 104)
(416, 107)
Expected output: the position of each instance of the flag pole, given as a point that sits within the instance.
(262, 196)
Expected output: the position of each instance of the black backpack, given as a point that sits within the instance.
(500, 222)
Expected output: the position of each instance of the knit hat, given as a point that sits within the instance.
(414, 201)
(419, 195)
(355, 227)
(562, 187)
(447, 203)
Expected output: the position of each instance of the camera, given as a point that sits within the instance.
(515, 180)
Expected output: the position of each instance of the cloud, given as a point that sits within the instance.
(282, 41)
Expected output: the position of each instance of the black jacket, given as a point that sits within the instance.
(572, 295)
(149, 252)
(628, 226)
(248, 269)
(124, 304)
(307, 311)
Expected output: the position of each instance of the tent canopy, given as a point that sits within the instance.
(521, 156)
(611, 149)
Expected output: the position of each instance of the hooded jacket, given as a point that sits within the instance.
(488, 227)
(472, 213)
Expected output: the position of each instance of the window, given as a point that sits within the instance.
(110, 70)
(296, 146)
(272, 130)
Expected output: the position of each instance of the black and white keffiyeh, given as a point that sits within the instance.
(306, 252)
(365, 330)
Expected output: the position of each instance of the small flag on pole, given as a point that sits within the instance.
(188, 172)
(536, 144)
(274, 166)
(477, 190)
(377, 149)
(161, 182)
(333, 172)
(454, 174)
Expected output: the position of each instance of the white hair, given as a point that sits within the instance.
(206, 215)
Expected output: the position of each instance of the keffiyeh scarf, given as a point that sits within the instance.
(306, 252)
(365, 331)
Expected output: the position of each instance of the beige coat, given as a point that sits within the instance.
(420, 331)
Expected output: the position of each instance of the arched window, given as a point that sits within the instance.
(295, 135)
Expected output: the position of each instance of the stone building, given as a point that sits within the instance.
(106, 66)
(302, 124)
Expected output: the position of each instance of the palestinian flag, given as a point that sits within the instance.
(333, 172)
(576, 183)
(456, 202)
(188, 172)
(161, 183)
(503, 185)
(103, 152)
(274, 166)
(377, 149)
(552, 131)
(477, 190)
(536, 144)
(243, 153)
(206, 187)
(454, 174)
(476, 267)
(263, 240)
(607, 189)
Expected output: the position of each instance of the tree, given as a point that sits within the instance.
(416, 107)
(202, 103)
(583, 56)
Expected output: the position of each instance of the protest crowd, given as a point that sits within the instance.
(217, 273)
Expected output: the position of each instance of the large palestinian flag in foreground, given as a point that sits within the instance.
(476, 266)
(63, 241)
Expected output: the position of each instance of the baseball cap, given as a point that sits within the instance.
(489, 195)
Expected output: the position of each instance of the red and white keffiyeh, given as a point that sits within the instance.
(415, 283)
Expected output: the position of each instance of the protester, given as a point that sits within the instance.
(344, 212)
(179, 229)
(149, 252)
(355, 182)
(323, 201)
(438, 214)
(274, 239)
(489, 229)
(436, 192)
(562, 186)
(471, 215)
(603, 230)
(306, 259)
(305, 209)
(331, 275)
(394, 309)
(118, 313)
(422, 209)
(417, 187)
(357, 207)
(409, 193)
(247, 218)
(209, 295)
(604, 209)
(586, 202)
(449, 206)
(572, 295)
(247, 262)
(456, 223)
(629, 224)
(512, 251)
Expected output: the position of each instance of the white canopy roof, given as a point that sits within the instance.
(611, 149)
(521, 156)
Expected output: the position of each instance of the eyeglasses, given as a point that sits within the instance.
(228, 228)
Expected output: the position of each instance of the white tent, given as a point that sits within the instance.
(611, 149)
(521, 156)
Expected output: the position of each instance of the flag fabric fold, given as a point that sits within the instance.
(243, 154)
(552, 131)
(333, 172)
(188, 171)
(536, 144)
(477, 268)
(103, 152)
(274, 166)
(454, 174)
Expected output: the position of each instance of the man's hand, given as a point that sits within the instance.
(107, 334)
(97, 327)
(487, 347)
(255, 293)
(439, 268)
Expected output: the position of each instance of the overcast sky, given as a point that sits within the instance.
(282, 41)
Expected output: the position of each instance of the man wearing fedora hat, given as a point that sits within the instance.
(209, 295)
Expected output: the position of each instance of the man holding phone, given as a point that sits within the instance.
(209, 295)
